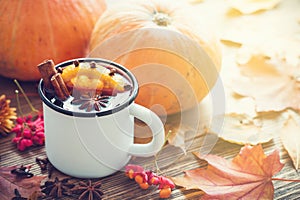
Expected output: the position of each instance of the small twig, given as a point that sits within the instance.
(282, 179)
(25, 96)
(18, 102)
(158, 171)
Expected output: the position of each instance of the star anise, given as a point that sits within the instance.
(88, 102)
(22, 172)
(18, 195)
(57, 188)
(42, 162)
(89, 191)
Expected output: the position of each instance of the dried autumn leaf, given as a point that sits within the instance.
(9, 182)
(252, 6)
(290, 137)
(182, 137)
(182, 128)
(235, 103)
(247, 176)
(196, 1)
(177, 139)
(238, 104)
(274, 88)
(274, 34)
(245, 129)
(242, 124)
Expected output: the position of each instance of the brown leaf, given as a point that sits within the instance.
(9, 182)
(247, 176)
(290, 137)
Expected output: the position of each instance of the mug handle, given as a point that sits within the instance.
(157, 128)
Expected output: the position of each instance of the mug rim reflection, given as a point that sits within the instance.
(98, 113)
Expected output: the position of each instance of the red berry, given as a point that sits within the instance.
(21, 145)
(27, 133)
(139, 179)
(37, 140)
(40, 134)
(132, 170)
(135, 168)
(164, 181)
(130, 174)
(16, 140)
(20, 120)
(17, 128)
(27, 142)
(144, 185)
(28, 118)
(24, 143)
(165, 193)
(154, 180)
(146, 178)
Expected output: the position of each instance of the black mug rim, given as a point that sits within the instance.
(96, 113)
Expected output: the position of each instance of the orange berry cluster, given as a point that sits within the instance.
(147, 178)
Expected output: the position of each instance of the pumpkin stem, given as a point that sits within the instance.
(161, 19)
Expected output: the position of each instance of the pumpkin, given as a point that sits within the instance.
(175, 63)
(32, 31)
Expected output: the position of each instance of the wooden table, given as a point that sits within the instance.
(118, 186)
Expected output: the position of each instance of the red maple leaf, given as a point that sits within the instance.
(247, 176)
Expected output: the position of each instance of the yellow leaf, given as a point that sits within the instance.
(238, 104)
(274, 34)
(273, 87)
(196, 1)
(244, 129)
(252, 6)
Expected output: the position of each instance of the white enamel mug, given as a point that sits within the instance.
(97, 144)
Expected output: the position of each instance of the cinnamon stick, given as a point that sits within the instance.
(59, 86)
(47, 70)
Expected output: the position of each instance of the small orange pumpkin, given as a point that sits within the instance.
(32, 31)
(175, 64)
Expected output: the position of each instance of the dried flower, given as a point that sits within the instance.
(7, 115)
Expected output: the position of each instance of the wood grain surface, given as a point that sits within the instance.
(171, 162)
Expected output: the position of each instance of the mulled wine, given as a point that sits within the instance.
(86, 85)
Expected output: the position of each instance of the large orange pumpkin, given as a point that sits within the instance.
(32, 31)
(158, 40)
